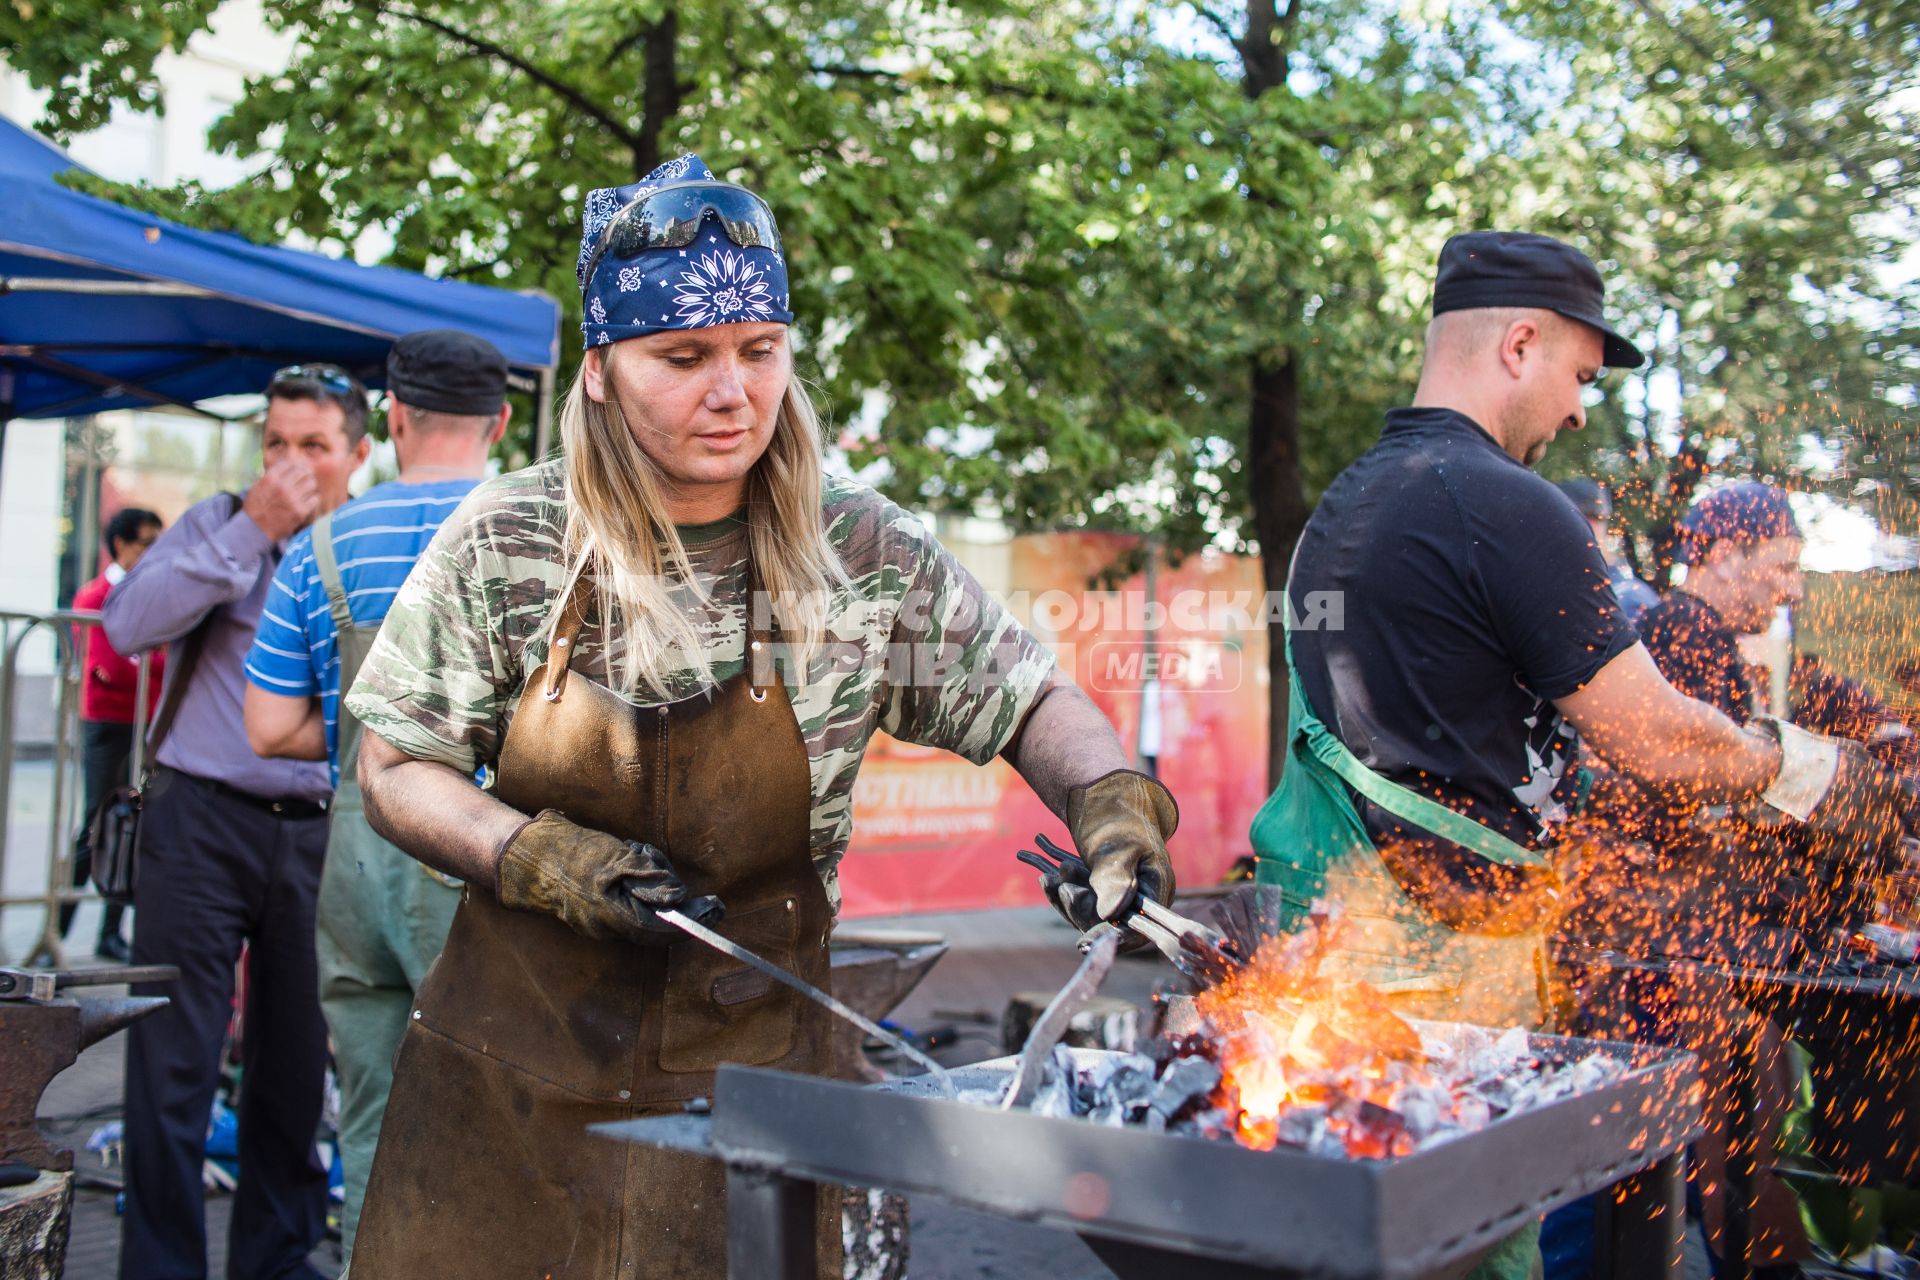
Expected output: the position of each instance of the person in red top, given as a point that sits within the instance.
(107, 691)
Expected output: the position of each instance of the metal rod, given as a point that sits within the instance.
(103, 288)
(8, 696)
(120, 386)
(770, 1225)
(137, 758)
(729, 947)
(59, 869)
(14, 630)
(543, 415)
(1743, 1150)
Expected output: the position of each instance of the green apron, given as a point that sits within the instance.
(1311, 843)
(382, 917)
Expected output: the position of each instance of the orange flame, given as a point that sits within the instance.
(1287, 1036)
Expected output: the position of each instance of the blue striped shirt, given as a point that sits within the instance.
(376, 539)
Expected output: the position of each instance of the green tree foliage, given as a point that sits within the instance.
(1158, 265)
(1750, 168)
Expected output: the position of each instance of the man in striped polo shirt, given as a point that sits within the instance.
(382, 916)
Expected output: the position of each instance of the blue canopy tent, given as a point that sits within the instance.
(102, 307)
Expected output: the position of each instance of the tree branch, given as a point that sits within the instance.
(859, 73)
(566, 92)
(1788, 118)
(1215, 21)
(660, 94)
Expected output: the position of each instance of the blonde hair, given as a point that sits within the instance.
(619, 533)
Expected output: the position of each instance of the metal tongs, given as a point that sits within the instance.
(1202, 953)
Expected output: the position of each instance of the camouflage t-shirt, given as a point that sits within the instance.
(916, 648)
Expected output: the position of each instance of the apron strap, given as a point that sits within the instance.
(566, 637)
(1402, 802)
(758, 659)
(329, 571)
(760, 667)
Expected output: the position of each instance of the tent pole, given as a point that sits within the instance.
(543, 415)
(6, 416)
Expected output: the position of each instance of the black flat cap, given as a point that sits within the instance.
(1520, 269)
(447, 371)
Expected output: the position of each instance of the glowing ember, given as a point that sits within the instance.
(1283, 1056)
(1311, 1060)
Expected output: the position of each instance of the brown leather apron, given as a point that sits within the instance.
(524, 1032)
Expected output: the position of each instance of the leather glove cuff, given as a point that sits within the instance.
(1808, 764)
(1120, 824)
(598, 884)
(1124, 791)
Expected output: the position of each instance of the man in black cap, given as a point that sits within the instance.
(382, 916)
(1430, 736)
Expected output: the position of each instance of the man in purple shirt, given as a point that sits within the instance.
(230, 853)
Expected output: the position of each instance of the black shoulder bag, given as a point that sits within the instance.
(114, 832)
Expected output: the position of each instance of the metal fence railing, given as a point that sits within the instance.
(59, 797)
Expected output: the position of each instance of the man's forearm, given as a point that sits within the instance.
(308, 741)
(434, 812)
(280, 727)
(193, 569)
(1642, 725)
(1065, 742)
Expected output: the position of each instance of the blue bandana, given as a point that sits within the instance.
(711, 281)
(1747, 512)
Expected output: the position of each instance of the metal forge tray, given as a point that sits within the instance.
(1152, 1204)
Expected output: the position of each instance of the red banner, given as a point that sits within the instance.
(1181, 671)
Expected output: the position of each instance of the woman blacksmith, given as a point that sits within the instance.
(670, 648)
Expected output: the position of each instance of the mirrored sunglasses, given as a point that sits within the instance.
(670, 217)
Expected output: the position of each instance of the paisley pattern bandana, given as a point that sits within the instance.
(711, 281)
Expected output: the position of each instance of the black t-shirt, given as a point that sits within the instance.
(1697, 652)
(1472, 595)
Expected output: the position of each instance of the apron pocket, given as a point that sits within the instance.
(718, 1010)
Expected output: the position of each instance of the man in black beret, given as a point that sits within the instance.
(1430, 735)
(382, 917)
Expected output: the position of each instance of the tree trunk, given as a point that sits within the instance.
(1279, 514)
(1273, 412)
(660, 95)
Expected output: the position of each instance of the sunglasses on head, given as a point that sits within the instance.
(670, 218)
(328, 377)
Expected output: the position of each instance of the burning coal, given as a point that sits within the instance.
(1278, 1053)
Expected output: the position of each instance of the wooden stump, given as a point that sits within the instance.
(873, 1227)
(1105, 1023)
(34, 1219)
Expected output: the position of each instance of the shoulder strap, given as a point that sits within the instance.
(180, 671)
(329, 570)
(1402, 802)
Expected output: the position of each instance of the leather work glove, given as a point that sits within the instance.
(600, 886)
(1120, 825)
(1838, 790)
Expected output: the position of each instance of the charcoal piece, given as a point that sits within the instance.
(1093, 1086)
(1305, 1126)
(1498, 1091)
(1375, 1132)
(1186, 1082)
(1057, 1095)
(1055, 1098)
(1122, 1096)
(1423, 1109)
